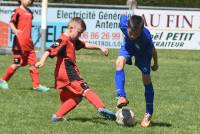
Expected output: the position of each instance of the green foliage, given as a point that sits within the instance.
(171, 3)
(163, 3)
(108, 2)
(177, 100)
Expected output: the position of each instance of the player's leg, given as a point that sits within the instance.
(34, 73)
(120, 81)
(144, 66)
(123, 58)
(9, 72)
(17, 61)
(93, 99)
(82, 88)
(149, 93)
(32, 60)
(34, 76)
(69, 101)
(120, 76)
(149, 99)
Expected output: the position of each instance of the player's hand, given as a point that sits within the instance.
(104, 51)
(18, 32)
(39, 64)
(154, 67)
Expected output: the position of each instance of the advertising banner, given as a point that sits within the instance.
(102, 24)
(171, 29)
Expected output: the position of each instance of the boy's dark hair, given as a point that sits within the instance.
(80, 21)
(32, 2)
(136, 22)
(19, 2)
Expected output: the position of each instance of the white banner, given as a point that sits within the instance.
(171, 29)
(102, 24)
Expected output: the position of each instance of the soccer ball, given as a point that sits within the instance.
(125, 117)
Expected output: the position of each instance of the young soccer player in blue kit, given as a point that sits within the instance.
(138, 43)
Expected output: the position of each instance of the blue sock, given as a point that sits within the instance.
(119, 82)
(149, 97)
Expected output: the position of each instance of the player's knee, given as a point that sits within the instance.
(33, 68)
(120, 62)
(78, 99)
(146, 79)
(147, 82)
(15, 66)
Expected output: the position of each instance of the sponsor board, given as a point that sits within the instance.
(171, 29)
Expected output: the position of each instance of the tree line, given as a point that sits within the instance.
(163, 3)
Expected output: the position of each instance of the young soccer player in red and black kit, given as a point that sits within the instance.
(23, 48)
(71, 86)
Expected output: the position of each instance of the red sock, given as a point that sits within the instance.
(66, 107)
(8, 74)
(93, 99)
(34, 76)
(69, 101)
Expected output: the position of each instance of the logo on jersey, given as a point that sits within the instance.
(137, 46)
(56, 43)
(16, 61)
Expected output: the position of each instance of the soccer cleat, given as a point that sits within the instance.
(107, 114)
(122, 101)
(4, 85)
(41, 88)
(146, 120)
(54, 118)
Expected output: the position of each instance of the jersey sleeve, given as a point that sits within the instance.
(149, 36)
(123, 24)
(14, 17)
(31, 13)
(79, 44)
(54, 48)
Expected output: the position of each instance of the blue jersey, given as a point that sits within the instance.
(142, 46)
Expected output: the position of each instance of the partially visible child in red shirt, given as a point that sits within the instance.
(71, 86)
(23, 48)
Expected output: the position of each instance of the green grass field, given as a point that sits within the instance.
(177, 101)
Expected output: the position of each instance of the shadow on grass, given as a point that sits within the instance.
(160, 124)
(156, 124)
(86, 119)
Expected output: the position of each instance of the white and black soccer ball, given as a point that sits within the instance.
(125, 117)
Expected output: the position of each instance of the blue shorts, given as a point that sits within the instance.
(142, 62)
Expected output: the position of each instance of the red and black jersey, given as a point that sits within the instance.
(66, 68)
(22, 19)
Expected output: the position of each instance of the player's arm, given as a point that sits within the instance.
(14, 21)
(123, 24)
(155, 66)
(94, 46)
(43, 60)
(14, 29)
(51, 52)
